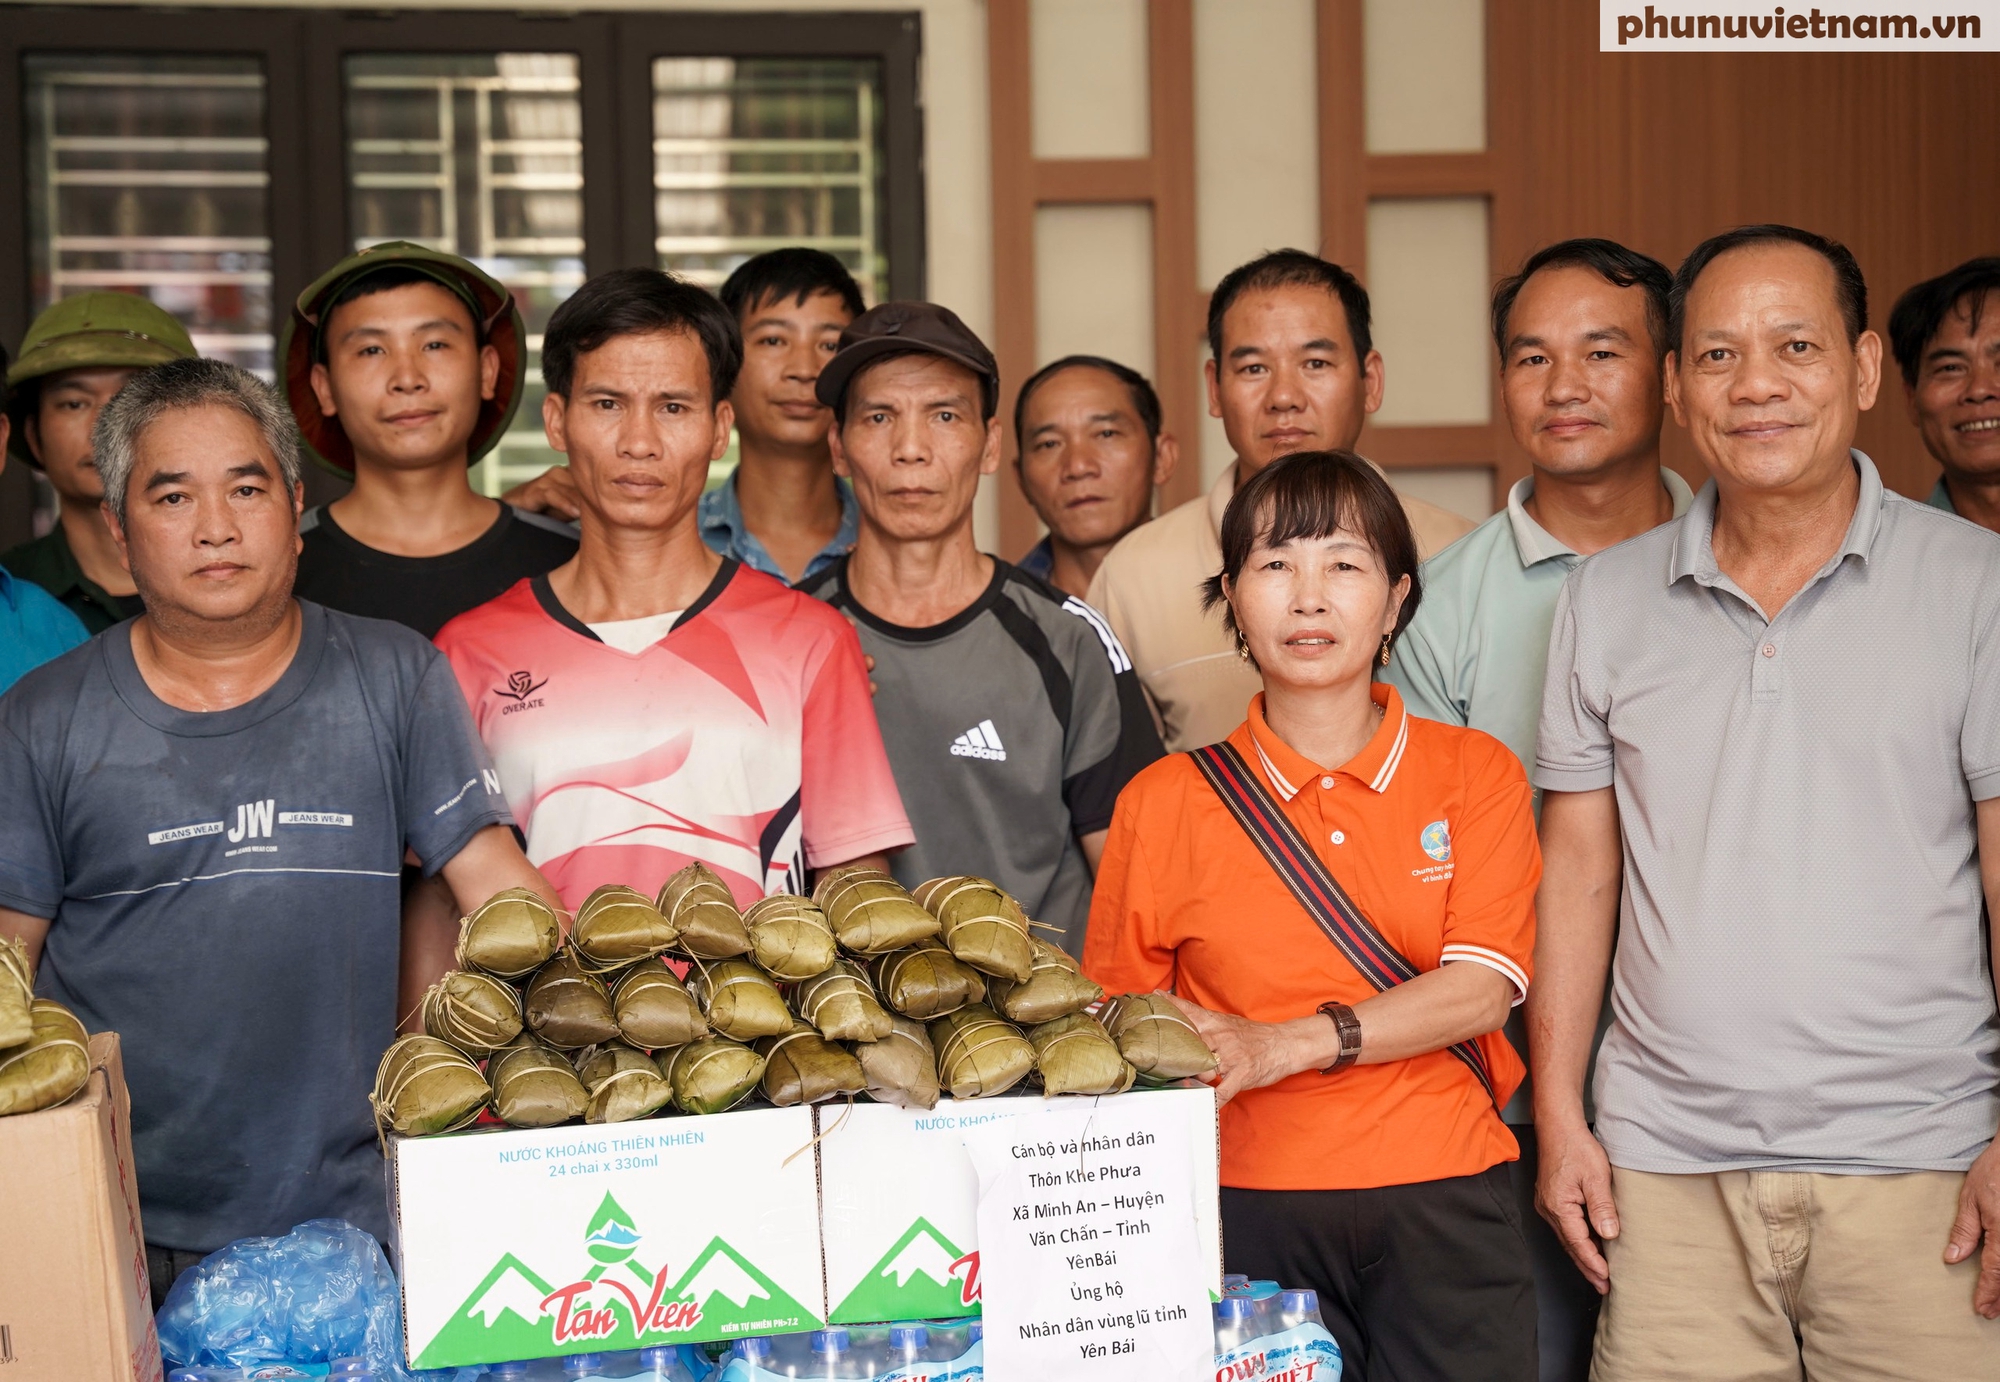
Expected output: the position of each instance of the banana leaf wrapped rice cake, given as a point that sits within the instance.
(698, 905)
(981, 925)
(712, 1075)
(1054, 989)
(980, 1053)
(533, 1086)
(1074, 1055)
(617, 926)
(17, 993)
(789, 937)
(50, 1066)
(511, 934)
(623, 1082)
(842, 1005)
(739, 999)
(901, 1068)
(654, 1009)
(927, 981)
(569, 1007)
(474, 1012)
(870, 912)
(424, 1085)
(1156, 1037)
(802, 1067)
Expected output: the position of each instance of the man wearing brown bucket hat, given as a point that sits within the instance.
(1010, 712)
(76, 355)
(403, 366)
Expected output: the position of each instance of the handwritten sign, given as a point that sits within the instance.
(1089, 1253)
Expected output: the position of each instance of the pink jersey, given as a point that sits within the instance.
(746, 738)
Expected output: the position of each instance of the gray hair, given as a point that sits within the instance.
(173, 387)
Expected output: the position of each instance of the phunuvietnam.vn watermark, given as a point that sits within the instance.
(1871, 26)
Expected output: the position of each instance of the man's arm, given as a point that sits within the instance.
(1093, 848)
(29, 930)
(553, 492)
(1979, 1201)
(1577, 921)
(490, 862)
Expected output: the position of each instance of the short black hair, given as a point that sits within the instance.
(1918, 313)
(1613, 262)
(1315, 494)
(1288, 269)
(793, 272)
(635, 302)
(383, 280)
(1145, 401)
(1848, 284)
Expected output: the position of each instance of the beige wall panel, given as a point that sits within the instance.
(1089, 87)
(1466, 490)
(1425, 65)
(1256, 121)
(1094, 284)
(1212, 448)
(1428, 282)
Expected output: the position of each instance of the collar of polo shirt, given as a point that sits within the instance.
(1286, 769)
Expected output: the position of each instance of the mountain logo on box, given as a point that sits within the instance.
(616, 1303)
(924, 1276)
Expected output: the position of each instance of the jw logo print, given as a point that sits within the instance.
(610, 1296)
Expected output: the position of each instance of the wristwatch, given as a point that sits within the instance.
(1349, 1027)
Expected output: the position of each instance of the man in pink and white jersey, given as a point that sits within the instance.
(648, 702)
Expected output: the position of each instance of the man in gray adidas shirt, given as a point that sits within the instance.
(1012, 716)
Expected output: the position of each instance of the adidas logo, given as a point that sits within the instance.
(981, 741)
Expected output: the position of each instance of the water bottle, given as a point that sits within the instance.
(1236, 1323)
(949, 1339)
(975, 1332)
(1299, 1307)
(1235, 1284)
(584, 1365)
(834, 1356)
(505, 1372)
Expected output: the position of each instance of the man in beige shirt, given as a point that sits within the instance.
(1291, 369)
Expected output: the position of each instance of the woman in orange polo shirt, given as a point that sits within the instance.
(1362, 1151)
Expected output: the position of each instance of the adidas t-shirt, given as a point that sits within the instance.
(744, 738)
(1012, 728)
(223, 893)
(425, 593)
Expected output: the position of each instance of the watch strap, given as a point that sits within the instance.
(1349, 1028)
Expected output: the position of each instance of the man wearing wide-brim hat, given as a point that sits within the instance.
(76, 355)
(403, 365)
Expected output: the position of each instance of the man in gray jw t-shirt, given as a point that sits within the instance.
(1770, 759)
(1011, 715)
(207, 814)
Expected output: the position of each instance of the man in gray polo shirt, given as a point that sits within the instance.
(1779, 718)
(1011, 714)
(1580, 332)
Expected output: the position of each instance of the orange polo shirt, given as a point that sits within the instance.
(1430, 831)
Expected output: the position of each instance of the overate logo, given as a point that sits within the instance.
(1436, 840)
(520, 686)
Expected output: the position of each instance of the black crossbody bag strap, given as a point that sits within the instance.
(1313, 884)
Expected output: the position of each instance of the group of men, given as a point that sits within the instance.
(249, 812)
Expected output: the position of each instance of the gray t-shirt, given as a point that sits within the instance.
(225, 896)
(1801, 978)
(1011, 729)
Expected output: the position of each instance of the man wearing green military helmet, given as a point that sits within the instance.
(76, 355)
(403, 366)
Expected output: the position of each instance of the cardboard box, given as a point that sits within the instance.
(581, 1239)
(899, 1198)
(74, 1299)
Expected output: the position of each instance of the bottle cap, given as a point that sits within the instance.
(751, 1349)
(583, 1364)
(829, 1341)
(1231, 1281)
(905, 1336)
(1234, 1308)
(658, 1356)
(1261, 1289)
(1298, 1302)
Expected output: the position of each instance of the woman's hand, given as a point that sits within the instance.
(1251, 1054)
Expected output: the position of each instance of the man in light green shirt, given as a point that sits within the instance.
(1581, 331)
